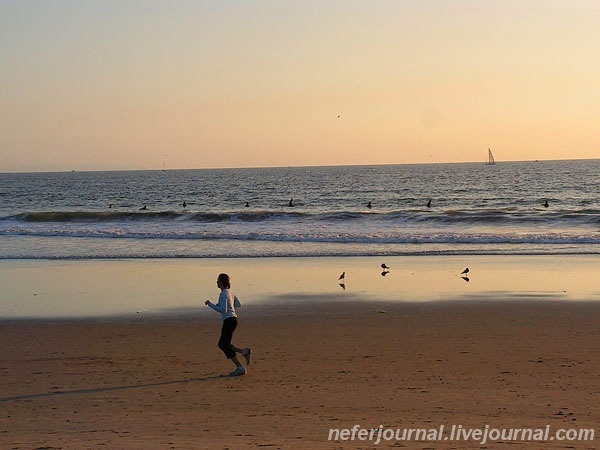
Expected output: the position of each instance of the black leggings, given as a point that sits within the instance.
(229, 326)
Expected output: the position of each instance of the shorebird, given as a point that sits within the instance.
(342, 276)
(546, 204)
(429, 203)
(465, 271)
(383, 266)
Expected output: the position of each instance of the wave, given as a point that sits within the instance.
(355, 236)
(418, 216)
(94, 216)
(88, 216)
(230, 250)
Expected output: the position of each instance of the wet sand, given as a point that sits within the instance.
(171, 287)
(155, 382)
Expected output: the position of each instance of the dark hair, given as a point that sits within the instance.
(224, 280)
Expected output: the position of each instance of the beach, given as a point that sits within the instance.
(404, 196)
(154, 379)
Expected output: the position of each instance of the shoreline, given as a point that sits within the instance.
(73, 248)
(303, 307)
(101, 289)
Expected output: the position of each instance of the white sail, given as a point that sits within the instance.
(490, 160)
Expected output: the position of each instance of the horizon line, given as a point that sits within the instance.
(158, 169)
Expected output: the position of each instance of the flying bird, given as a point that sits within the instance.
(342, 276)
(465, 271)
(466, 279)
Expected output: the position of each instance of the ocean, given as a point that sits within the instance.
(475, 209)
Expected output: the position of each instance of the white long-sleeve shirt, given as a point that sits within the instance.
(226, 304)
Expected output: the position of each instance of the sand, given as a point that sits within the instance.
(147, 287)
(147, 382)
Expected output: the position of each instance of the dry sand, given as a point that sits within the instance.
(156, 383)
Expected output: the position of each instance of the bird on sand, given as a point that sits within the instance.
(342, 276)
(384, 266)
(465, 271)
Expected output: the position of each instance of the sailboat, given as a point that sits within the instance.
(490, 159)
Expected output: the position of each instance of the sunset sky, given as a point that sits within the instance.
(133, 84)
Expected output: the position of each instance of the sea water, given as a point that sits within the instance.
(393, 210)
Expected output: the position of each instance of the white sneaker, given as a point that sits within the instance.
(247, 353)
(238, 371)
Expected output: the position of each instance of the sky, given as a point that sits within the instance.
(142, 84)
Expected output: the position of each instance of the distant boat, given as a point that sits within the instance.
(490, 159)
